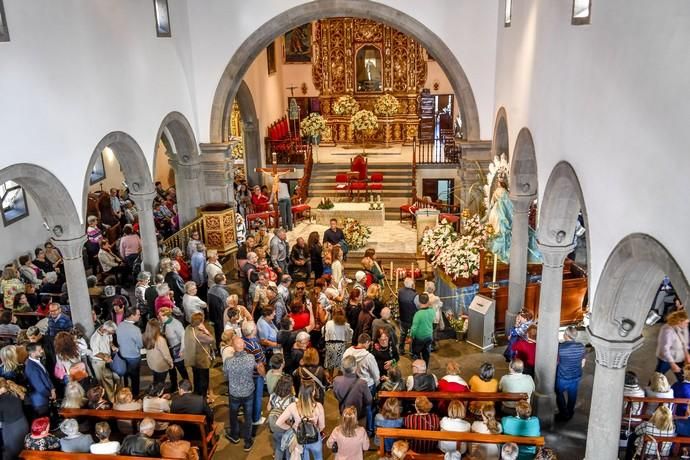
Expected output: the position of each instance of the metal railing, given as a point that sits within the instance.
(442, 150)
(182, 236)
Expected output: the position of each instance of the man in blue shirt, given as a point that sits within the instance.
(57, 321)
(130, 342)
(198, 263)
(571, 356)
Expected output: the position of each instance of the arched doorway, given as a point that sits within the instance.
(240, 113)
(562, 214)
(523, 194)
(175, 143)
(501, 143)
(67, 233)
(239, 64)
(626, 288)
(137, 180)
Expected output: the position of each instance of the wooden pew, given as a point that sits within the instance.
(678, 442)
(399, 433)
(189, 419)
(57, 455)
(636, 419)
(445, 395)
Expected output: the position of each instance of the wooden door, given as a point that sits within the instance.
(427, 108)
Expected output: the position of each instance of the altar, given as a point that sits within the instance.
(358, 211)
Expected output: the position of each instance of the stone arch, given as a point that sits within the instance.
(239, 63)
(560, 206)
(51, 197)
(628, 283)
(183, 157)
(250, 129)
(501, 142)
(523, 166)
(134, 166)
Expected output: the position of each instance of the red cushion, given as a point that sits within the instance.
(376, 177)
(358, 186)
(300, 208)
(405, 208)
(449, 218)
(377, 186)
(341, 178)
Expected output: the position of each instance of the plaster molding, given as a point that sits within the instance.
(613, 354)
(71, 249)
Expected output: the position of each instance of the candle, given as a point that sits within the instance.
(495, 266)
(391, 271)
(275, 157)
(412, 270)
(396, 282)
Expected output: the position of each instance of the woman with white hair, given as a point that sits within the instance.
(74, 441)
(435, 303)
(198, 352)
(191, 303)
(102, 349)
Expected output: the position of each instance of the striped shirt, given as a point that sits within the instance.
(253, 347)
(570, 354)
(423, 422)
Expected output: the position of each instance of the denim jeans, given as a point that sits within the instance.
(258, 397)
(570, 387)
(421, 348)
(663, 367)
(404, 330)
(235, 404)
(278, 453)
(178, 368)
(370, 410)
(285, 208)
(315, 449)
(132, 374)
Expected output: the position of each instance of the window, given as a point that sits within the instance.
(581, 12)
(160, 8)
(4, 32)
(13, 203)
(508, 13)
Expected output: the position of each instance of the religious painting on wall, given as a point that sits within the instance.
(271, 58)
(298, 45)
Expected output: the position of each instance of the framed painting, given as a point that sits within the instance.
(14, 205)
(162, 14)
(271, 58)
(297, 45)
(98, 171)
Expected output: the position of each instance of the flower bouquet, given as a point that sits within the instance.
(459, 323)
(345, 105)
(313, 126)
(325, 203)
(387, 105)
(434, 239)
(356, 234)
(460, 259)
(364, 121)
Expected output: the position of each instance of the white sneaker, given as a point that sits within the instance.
(261, 421)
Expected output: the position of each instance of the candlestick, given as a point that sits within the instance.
(412, 270)
(495, 266)
(396, 281)
(391, 271)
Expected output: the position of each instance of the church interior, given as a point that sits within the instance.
(507, 152)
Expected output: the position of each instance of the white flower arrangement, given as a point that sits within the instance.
(387, 105)
(434, 239)
(345, 105)
(460, 259)
(356, 234)
(313, 125)
(476, 230)
(364, 120)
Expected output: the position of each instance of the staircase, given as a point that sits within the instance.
(397, 183)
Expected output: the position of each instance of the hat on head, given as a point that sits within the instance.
(360, 275)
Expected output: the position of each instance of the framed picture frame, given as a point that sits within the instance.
(162, 15)
(297, 45)
(98, 171)
(271, 58)
(14, 205)
(4, 31)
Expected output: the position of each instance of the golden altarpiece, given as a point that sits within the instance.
(366, 59)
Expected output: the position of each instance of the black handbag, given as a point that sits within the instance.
(307, 432)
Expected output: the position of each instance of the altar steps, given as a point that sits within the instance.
(397, 180)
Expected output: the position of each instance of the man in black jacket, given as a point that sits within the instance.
(350, 390)
(187, 402)
(217, 296)
(141, 444)
(407, 309)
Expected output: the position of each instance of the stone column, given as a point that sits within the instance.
(187, 182)
(214, 174)
(147, 229)
(607, 396)
(518, 257)
(550, 299)
(78, 292)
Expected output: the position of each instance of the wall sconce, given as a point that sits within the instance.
(437, 85)
(625, 326)
(560, 236)
(57, 230)
(124, 184)
(46, 226)
(304, 88)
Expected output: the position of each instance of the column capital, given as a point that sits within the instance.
(522, 203)
(218, 148)
(554, 256)
(144, 201)
(613, 354)
(188, 170)
(72, 248)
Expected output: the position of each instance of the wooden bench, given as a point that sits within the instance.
(446, 395)
(399, 433)
(678, 442)
(190, 419)
(57, 455)
(644, 402)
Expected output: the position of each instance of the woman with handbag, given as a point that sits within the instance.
(348, 441)
(69, 365)
(173, 331)
(307, 420)
(672, 345)
(157, 354)
(199, 353)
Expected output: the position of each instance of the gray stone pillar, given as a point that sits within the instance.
(607, 396)
(189, 187)
(213, 166)
(550, 299)
(518, 257)
(78, 292)
(147, 229)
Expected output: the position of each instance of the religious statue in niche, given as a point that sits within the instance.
(368, 69)
(500, 213)
(298, 44)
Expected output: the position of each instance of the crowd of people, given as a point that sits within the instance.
(299, 327)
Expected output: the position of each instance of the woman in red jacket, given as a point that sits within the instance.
(526, 349)
(451, 382)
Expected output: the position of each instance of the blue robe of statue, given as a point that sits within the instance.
(501, 219)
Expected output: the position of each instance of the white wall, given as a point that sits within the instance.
(611, 99)
(25, 235)
(113, 174)
(468, 27)
(76, 70)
